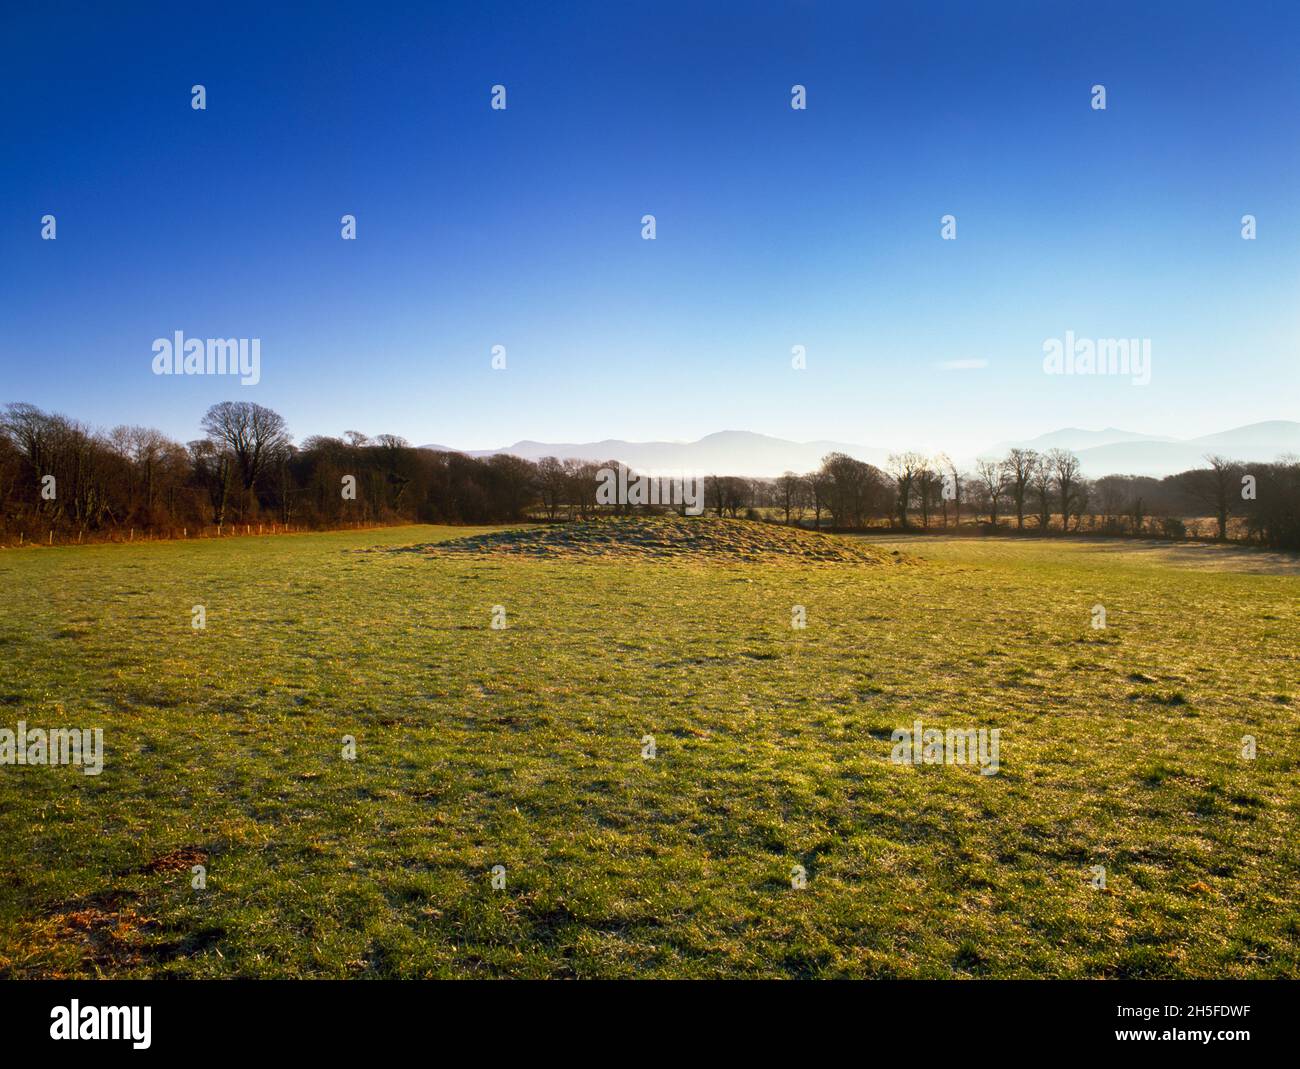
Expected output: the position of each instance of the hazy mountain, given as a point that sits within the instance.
(1076, 439)
(723, 453)
(1116, 452)
(1256, 441)
(1104, 452)
(1265, 435)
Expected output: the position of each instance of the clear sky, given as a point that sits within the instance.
(775, 227)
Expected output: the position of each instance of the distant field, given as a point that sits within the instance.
(522, 747)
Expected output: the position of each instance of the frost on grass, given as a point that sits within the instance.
(667, 538)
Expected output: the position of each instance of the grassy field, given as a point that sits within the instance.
(522, 747)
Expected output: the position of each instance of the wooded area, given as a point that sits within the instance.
(59, 477)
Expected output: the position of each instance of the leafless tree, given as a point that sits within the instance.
(1112, 494)
(213, 466)
(1065, 470)
(929, 482)
(853, 489)
(1079, 501)
(1019, 466)
(904, 469)
(551, 479)
(1040, 481)
(252, 433)
(583, 478)
(992, 478)
(950, 487)
(1216, 487)
(818, 486)
(789, 493)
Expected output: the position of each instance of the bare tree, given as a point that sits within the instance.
(736, 491)
(1040, 481)
(212, 465)
(551, 479)
(726, 493)
(928, 484)
(1065, 469)
(253, 434)
(1273, 515)
(1216, 487)
(1138, 511)
(789, 489)
(992, 478)
(1080, 498)
(583, 477)
(145, 449)
(31, 431)
(515, 481)
(818, 485)
(854, 489)
(1111, 491)
(1019, 466)
(904, 469)
(950, 487)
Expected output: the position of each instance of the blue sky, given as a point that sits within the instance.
(775, 227)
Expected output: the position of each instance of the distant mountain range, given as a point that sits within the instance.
(723, 453)
(1104, 452)
(1116, 452)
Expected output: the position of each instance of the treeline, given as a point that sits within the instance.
(1033, 492)
(57, 474)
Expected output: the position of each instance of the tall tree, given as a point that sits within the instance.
(904, 469)
(1019, 466)
(950, 487)
(1040, 481)
(788, 491)
(253, 434)
(1065, 470)
(1217, 488)
(993, 481)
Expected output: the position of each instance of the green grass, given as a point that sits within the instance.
(522, 747)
